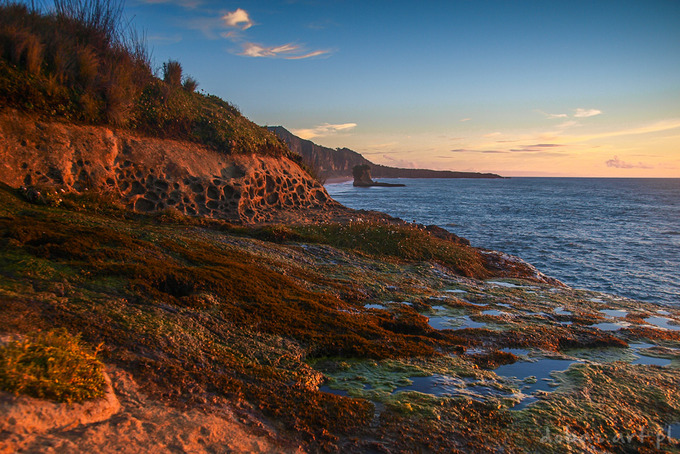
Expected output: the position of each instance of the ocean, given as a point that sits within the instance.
(618, 236)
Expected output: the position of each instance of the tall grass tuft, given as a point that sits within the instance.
(172, 73)
(190, 84)
(101, 20)
(22, 47)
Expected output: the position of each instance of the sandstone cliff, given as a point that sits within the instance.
(330, 163)
(153, 174)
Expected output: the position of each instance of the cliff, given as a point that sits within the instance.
(152, 174)
(338, 163)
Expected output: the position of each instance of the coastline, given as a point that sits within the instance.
(380, 338)
(526, 217)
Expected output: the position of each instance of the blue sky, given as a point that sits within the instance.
(577, 88)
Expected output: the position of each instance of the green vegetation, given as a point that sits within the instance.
(80, 61)
(407, 242)
(204, 314)
(51, 365)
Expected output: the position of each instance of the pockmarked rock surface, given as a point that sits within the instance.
(151, 174)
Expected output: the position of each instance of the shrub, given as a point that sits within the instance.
(172, 73)
(51, 365)
(22, 47)
(190, 84)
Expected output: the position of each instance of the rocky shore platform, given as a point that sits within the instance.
(357, 335)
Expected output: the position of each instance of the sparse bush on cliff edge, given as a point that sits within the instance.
(172, 73)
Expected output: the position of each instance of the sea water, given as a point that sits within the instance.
(618, 236)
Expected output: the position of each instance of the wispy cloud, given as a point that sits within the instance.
(585, 113)
(238, 19)
(659, 126)
(578, 113)
(287, 51)
(545, 145)
(538, 148)
(568, 124)
(619, 164)
(552, 116)
(325, 129)
(315, 53)
(470, 150)
(465, 119)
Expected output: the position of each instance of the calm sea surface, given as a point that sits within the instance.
(619, 236)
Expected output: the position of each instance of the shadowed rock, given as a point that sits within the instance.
(362, 178)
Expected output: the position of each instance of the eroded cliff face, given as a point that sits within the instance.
(151, 174)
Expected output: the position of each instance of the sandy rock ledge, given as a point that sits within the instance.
(124, 421)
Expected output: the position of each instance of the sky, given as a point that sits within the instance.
(518, 88)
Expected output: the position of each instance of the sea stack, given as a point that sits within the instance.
(362, 178)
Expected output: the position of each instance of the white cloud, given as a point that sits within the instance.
(238, 19)
(325, 129)
(578, 113)
(465, 119)
(619, 164)
(553, 116)
(585, 113)
(288, 51)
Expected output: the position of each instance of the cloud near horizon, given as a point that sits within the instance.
(552, 116)
(578, 113)
(619, 164)
(659, 126)
(585, 113)
(469, 150)
(325, 129)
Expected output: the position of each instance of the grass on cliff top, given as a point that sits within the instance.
(51, 365)
(81, 61)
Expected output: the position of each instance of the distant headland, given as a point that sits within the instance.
(338, 163)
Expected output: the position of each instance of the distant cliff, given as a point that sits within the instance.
(338, 163)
